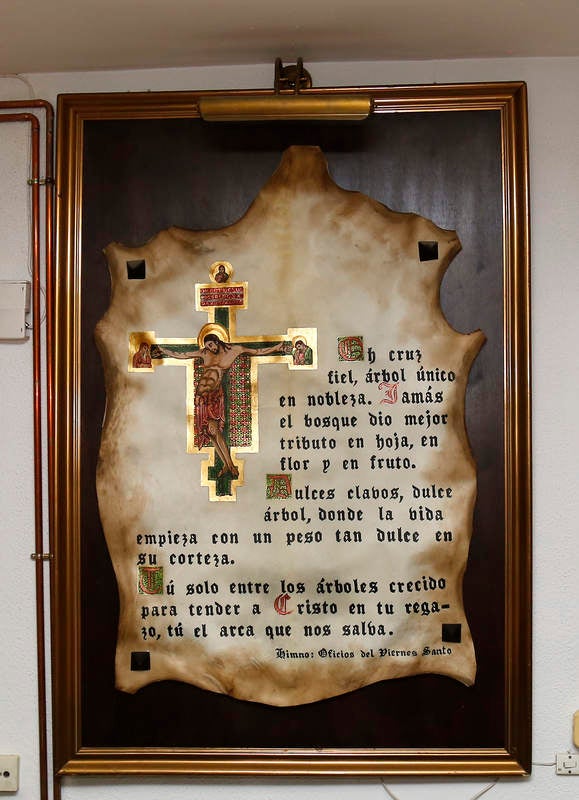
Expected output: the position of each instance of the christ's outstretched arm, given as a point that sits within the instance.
(170, 353)
(279, 347)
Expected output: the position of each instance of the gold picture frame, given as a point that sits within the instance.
(85, 707)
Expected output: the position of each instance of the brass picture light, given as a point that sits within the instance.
(288, 102)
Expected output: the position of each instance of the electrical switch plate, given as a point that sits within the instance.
(9, 773)
(14, 304)
(567, 764)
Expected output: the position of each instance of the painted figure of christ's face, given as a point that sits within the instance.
(212, 346)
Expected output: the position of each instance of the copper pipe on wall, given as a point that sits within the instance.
(38, 555)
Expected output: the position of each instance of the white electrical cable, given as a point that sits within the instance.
(23, 79)
(391, 794)
(387, 790)
(486, 789)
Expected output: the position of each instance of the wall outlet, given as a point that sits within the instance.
(9, 766)
(567, 764)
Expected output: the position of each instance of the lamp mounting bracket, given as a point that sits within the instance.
(292, 77)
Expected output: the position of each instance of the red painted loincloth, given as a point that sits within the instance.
(210, 406)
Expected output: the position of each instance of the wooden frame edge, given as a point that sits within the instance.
(69, 756)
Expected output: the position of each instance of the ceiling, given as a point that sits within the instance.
(61, 35)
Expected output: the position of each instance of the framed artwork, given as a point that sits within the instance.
(290, 467)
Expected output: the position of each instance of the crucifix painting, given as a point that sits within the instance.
(222, 411)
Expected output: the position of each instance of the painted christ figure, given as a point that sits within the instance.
(302, 354)
(142, 358)
(217, 357)
(221, 276)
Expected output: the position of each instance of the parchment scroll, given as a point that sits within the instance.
(285, 481)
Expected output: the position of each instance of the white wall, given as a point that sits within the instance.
(554, 151)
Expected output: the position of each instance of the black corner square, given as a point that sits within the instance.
(452, 633)
(140, 661)
(136, 270)
(428, 251)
